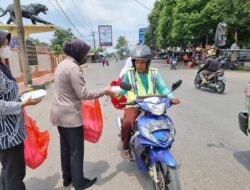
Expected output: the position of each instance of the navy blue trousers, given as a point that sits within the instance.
(72, 151)
(13, 168)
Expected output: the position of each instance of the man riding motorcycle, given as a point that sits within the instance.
(211, 65)
(144, 81)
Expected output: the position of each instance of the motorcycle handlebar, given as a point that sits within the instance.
(159, 96)
(142, 98)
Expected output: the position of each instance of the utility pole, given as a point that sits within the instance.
(93, 34)
(23, 53)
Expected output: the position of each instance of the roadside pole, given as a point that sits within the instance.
(248, 104)
(23, 53)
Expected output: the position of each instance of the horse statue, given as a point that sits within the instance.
(28, 11)
(221, 34)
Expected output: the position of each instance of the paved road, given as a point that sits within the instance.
(211, 152)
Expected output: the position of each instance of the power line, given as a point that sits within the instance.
(55, 8)
(72, 15)
(82, 1)
(142, 4)
(68, 18)
(78, 8)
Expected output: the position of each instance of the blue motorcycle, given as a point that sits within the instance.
(152, 140)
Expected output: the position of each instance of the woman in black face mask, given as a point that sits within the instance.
(12, 130)
(70, 90)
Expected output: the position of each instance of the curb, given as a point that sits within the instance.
(38, 86)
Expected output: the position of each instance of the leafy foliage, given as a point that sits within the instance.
(60, 36)
(178, 23)
(37, 42)
(122, 47)
(151, 34)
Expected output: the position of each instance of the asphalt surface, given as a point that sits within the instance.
(211, 152)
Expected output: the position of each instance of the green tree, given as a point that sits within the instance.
(57, 49)
(153, 18)
(164, 28)
(60, 36)
(188, 26)
(237, 15)
(177, 22)
(122, 47)
(37, 42)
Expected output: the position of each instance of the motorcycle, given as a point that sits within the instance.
(152, 140)
(215, 81)
(173, 64)
(227, 64)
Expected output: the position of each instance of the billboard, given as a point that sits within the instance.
(105, 35)
(142, 32)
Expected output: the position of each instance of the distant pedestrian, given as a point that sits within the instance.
(107, 61)
(103, 61)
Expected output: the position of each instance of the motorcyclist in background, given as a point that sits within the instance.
(211, 65)
(144, 81)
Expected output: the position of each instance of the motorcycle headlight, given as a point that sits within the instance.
(157, 109)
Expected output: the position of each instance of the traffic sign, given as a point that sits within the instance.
(142, 32)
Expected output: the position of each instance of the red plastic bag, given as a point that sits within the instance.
(116, 102)
(92, 119)
(35, 144)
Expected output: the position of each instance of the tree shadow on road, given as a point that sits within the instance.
(98, 169)
(131, 169)
(242, 157)
(48, 183)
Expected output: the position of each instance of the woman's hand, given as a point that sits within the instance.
(109, 92)
(29, 101)
(175, 101)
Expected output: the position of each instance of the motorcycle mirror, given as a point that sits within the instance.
(176, 85)
(125, 86)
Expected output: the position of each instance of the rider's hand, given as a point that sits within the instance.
(29, 101)
(175, 101)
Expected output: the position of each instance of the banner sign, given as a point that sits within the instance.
(105, 35)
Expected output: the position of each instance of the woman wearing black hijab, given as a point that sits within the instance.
(12, 130)
(70, 90)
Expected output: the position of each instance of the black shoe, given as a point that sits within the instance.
(87, 183)
(66, 182)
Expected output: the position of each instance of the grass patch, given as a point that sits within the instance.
(244, 68)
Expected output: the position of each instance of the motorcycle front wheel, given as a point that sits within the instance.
(220, 87)
(167, 178)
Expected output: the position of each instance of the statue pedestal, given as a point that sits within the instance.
(28, 29)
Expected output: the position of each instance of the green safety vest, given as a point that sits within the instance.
(137, 86)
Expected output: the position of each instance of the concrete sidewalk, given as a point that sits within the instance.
(37, 83)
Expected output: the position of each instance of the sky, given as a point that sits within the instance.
(125, 16)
